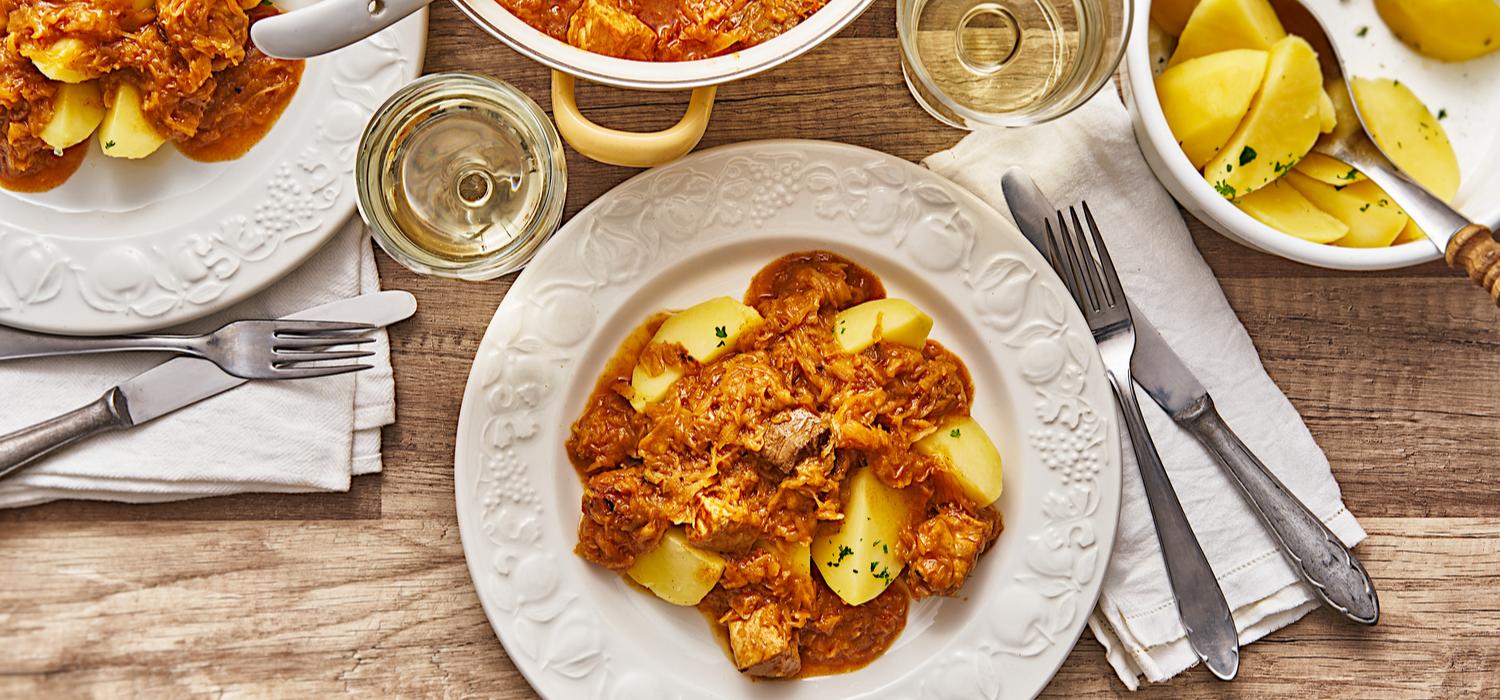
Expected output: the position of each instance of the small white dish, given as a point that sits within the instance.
(701, 227)
(1468, 91)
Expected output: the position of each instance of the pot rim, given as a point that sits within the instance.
(661, 75)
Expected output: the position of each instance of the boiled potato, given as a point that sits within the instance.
(863, 557)
(59, 60)
(1328, 117)
(76, 112)
(1329, 170)
(1172, 15)
(1280, 127)
(706, 331)
(1412, 232)
(676, 571)
(1408, 133)
(1373, 219)
(1448, 30)
(1221, 25)
(1205, 98)
(896, 320)
(124, 132)
(968, 455)
(1283, 208)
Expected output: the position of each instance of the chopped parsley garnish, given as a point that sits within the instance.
(1350, 175)
(884, 575)
(109, 144)
(1442, 114)
(885, 549)
(1365, 207)
(1247, 155)
(1361, 32)
(954, 433)
(872, 567)
(721, 332)
(1224, 188)
(1384, 202)
(844, 552)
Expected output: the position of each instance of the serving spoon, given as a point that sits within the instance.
(1467, 246)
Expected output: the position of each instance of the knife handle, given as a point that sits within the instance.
(20, 448)
(1474, 252)
(1314, 551)
(1200, 602)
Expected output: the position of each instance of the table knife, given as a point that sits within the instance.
(1315, 553)
(175, 384)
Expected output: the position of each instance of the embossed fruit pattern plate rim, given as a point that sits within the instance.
(126, 247)
(702, 226)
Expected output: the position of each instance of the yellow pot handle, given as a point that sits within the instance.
(631, 149)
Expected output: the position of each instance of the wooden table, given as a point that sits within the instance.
(367, 592)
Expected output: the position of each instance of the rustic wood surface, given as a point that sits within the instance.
(367, 592)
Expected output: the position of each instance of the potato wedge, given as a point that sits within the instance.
(1280, 127)
(1408, 132)
(1328, 117)
(969, 456)
(863, 557)
(124, 132)
(1373, 219)
(1172, 15)
(1328, 170)
(59, 61)
(1448, 30)
(896, 320)
(706, 330)
(676, 571)
(1410, 233)
(1221, 25)
(1283, 208)
(76, 112)
(1205, 99)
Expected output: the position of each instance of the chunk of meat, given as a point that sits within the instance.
(764, 643)
(942, 550)
(606, 434)
(789, 436)
(729, 516)
(601, 27)
(623, 517)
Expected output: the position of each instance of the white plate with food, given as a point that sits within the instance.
(1428, 85)
(106, 224)
(887, 467)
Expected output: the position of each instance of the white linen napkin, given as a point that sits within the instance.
(286, 437)
(1092, 154)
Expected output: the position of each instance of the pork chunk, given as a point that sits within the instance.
(942, 550)
(601, 27)
(790, 435)
(764, 644)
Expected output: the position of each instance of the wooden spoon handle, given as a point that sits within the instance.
(1474, 252)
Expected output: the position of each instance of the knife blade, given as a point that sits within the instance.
(175, 384)
(1313, 550)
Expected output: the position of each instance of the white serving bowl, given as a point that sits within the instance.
(1470, 91)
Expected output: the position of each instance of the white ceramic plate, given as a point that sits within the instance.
(701, 227)
(1468, 91)
(130, 246)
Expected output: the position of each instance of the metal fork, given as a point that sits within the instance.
(1090, 277)
(278, 349)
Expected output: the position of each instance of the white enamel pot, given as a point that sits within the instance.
(332, 24)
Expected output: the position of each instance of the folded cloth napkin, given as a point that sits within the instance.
(1092, 155)
(288, 436)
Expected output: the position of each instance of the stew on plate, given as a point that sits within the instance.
(798, 466)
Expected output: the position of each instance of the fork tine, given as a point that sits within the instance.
(311, 372)
(1090, 263)
(1060, 263)
(299, 327)
(284, 359)
(320, 341)
(1111, 276)
(1082, 291)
